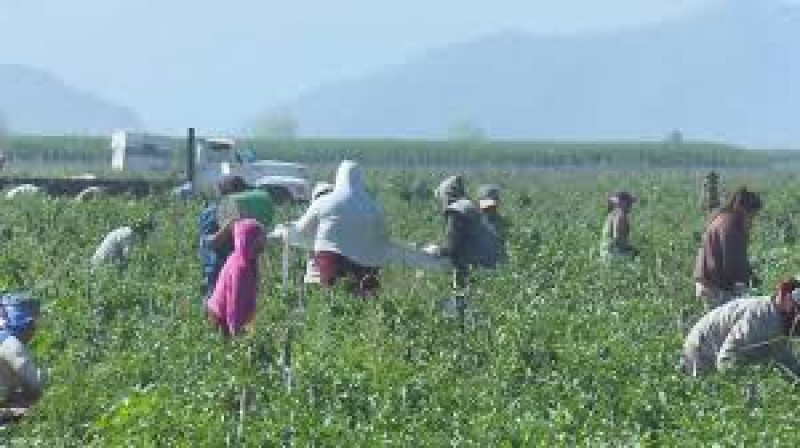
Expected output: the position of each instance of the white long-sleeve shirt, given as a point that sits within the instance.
(115, 247)
(347, 221)
(743, 331)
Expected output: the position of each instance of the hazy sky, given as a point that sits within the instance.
(214, 63)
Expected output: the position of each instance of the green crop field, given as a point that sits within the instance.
(557, 348)
(82, 153)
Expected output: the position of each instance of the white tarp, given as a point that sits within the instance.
(396, 253)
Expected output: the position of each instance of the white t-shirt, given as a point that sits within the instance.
(115, 247)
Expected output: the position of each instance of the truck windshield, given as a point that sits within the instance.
(245, 156)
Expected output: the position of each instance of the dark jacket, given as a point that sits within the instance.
(469, 239)
(722, 259)
(501, 226)
(210, 258)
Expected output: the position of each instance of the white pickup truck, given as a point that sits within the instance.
(214, 158)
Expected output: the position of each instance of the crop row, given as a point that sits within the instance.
(557, 348)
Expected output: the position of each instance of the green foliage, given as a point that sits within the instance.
(472, 153)
(278, 125)
(466, 131)
(557, 349)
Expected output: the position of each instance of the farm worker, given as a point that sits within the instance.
(746, 331)
(116, 246)
(232, 304)
(722, 269)
(469, 240)
(183, 191)
(349, 231)
(617, 228)
(489, 203)
(213, 257)
(312, 272)
(21, 381)
(250, 203)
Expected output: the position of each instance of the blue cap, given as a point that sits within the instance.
(21, 310)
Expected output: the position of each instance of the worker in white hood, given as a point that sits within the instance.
(349, 232)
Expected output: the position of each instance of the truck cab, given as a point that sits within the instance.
(213, 159)
(216, 158)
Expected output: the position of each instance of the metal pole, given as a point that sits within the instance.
(287, 346)
(242, 412)
(191, 142)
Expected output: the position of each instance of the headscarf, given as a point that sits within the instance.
(349, 193)
(451, 190)
(234, 298)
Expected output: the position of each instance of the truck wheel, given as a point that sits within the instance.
(279, 195)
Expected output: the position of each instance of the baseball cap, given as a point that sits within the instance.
(488, 196)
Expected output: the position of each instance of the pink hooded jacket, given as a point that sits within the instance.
(233, 302)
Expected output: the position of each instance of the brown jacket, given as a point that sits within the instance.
(722, 259)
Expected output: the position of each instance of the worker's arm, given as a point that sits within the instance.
(306, 226)
(29, 377)
(787, 362)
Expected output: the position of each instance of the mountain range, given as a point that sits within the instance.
(730, 74)
(36, 102)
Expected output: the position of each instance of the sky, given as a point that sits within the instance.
(216, 64)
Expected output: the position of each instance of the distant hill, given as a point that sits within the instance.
(729, 74)
(35, 102)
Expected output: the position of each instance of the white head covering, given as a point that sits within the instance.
(348, 220)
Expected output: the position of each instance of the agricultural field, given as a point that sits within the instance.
(93, 153)
(556, 349)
